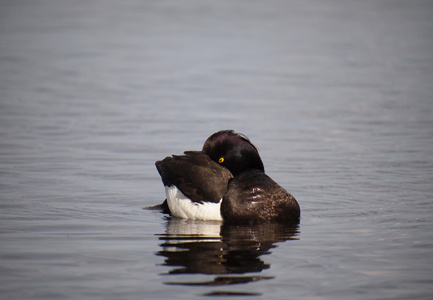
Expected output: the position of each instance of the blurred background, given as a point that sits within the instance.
(336, 95)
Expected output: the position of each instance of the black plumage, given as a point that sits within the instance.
(196, 175)
(229, 167)
(254, 196)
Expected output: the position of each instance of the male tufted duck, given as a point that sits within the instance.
(225, 181)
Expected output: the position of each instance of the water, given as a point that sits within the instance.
(336, 95)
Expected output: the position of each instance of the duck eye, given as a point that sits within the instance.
(221, 160)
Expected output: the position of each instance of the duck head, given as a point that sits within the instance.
(233, 151)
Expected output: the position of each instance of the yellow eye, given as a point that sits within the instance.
(221, 160)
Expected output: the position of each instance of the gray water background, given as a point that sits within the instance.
(337, 96)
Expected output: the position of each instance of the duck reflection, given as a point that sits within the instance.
(211, 247)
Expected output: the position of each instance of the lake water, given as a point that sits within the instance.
(337, 96)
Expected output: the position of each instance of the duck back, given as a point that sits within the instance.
(195, 175)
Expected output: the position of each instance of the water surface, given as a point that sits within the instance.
(336, 95)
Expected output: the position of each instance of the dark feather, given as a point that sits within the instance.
(254, 196)
(196, 175)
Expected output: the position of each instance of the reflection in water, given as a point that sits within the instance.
(211, 247)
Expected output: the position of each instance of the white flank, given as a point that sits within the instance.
(181, 206)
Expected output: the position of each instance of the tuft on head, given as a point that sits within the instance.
(233, 151)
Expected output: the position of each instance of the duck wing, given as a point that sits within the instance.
(196, 175)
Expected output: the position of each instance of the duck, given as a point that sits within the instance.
(225, 181)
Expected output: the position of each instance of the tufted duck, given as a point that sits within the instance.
(225, 181)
